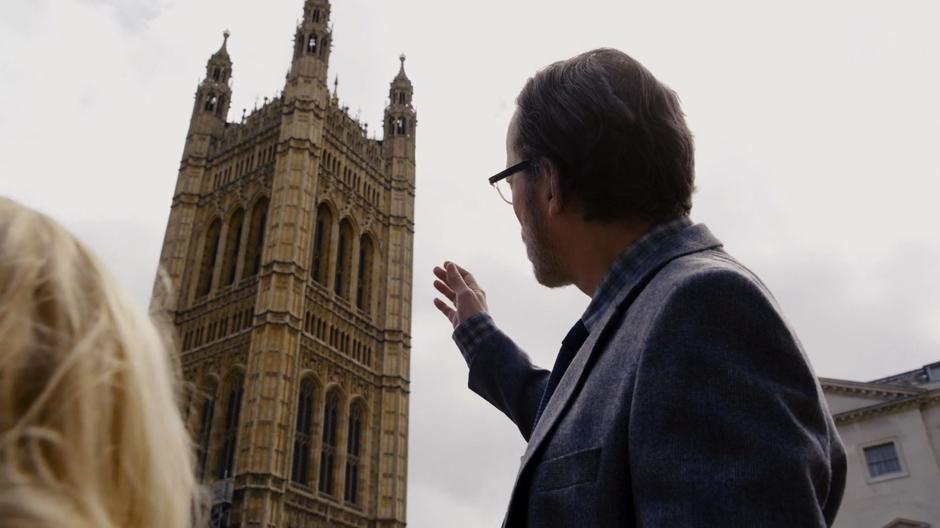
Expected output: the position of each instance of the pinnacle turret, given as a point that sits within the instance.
(312, 43)
(401, 89)
(222, 54)
(400, 115)
(402, 77)
(214, 94)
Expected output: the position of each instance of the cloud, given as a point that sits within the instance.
(128, 249)
(856, 315)
(134, 15)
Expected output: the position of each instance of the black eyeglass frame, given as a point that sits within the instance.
(509, 171)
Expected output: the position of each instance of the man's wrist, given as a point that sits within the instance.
(473, 331)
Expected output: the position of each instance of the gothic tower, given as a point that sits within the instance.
(286, 271)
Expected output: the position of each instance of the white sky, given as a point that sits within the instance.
(817, 128)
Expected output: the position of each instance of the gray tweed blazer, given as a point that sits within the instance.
(691, 404)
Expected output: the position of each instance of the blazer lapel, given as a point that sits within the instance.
(690, 240)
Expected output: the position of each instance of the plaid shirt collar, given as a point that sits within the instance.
(626, 265)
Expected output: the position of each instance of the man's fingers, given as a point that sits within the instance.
(467, 276)
(455, 279)
(440, 273)
(445, 290)
(448, 312)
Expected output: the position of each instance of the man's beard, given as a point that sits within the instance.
(546, 265)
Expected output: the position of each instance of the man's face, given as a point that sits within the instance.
(533, 218)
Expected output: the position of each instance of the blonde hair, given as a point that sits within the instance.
(90, 431)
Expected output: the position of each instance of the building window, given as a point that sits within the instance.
(232, 246)
(312, 44)
(400, 126)
(882, 459)
(316, 15)
(321, 245)
(255, 246)
(205, 428)
(343, 254)
(353, 452)
(210, 249)
(233, 403)
(216, 74)
(364, 279)
(211, 103)
(300, 467)
(401, 97)
(328, 452)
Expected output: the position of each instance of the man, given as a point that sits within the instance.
(681, 398)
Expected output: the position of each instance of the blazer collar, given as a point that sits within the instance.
(692, 239)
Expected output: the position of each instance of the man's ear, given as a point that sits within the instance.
(556, 202)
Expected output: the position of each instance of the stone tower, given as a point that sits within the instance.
(286, 271)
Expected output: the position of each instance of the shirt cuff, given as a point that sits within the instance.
(472, 332)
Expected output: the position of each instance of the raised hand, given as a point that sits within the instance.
(459, 286)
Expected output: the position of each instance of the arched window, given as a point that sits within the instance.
(259, 216)
(364, 278)
(321, 245)
(312, 44)
(233, 403)
(328, 450)
(216, 74)
(353, 453)
(233, 241)
(299, 472)
(211, 102)
(204, 433)
(401, 97)
(400, 126)
(343, 258)
(210, 249)
(316, 15)
(221, 106)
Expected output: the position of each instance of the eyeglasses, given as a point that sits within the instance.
(502, 184)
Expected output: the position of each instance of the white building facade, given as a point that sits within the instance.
(891, 431)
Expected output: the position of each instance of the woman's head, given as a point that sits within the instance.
(90, 433)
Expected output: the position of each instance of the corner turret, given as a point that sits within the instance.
(214, 94)
(312, 45)
(400, 116)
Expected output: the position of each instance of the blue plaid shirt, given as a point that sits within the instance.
(470, 333)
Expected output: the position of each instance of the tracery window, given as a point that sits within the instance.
(204, 434)
(343, 259)
(255, 246)
(353, 453)
(233, 402)
(211, 247)
(303, 433)
(328, 450)
(312, 44)
(321, 245)
(364, 278)
(233, 241)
